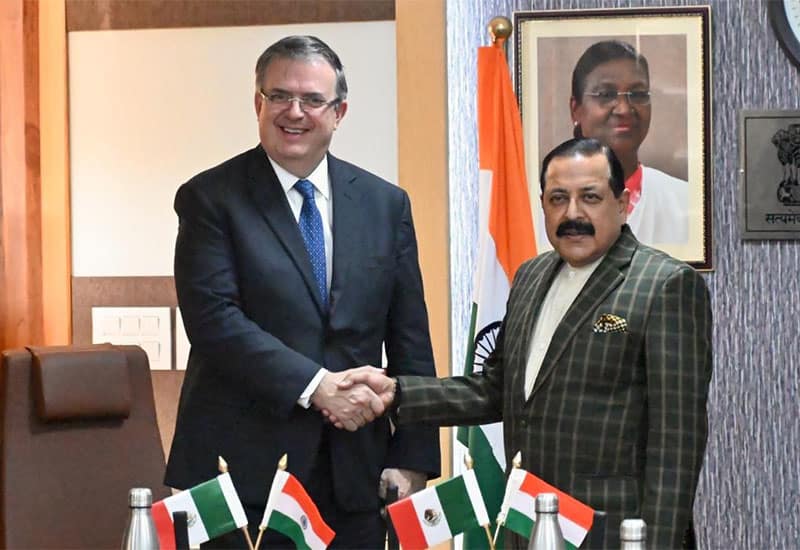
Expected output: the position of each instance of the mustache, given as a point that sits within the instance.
(574, 227)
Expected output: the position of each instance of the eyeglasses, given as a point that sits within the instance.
(306, 104)
(611, 97)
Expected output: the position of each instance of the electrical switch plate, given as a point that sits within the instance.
(148, 327)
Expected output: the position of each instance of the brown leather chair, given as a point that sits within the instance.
(78, 431)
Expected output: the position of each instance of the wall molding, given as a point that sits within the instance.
(95, 15)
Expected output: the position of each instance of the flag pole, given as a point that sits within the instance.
(500, 28)
(468, 462)
(282, 464)
(222, 466)
(516, 462)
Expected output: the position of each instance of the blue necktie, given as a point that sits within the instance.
(311, 228)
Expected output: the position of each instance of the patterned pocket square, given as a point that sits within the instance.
(608, 322)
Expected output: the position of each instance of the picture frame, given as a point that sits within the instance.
(669, 138)
(769, 170)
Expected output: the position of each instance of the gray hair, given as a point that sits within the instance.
(303, 48)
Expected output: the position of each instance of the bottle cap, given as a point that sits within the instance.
(633, 530)
(547, 502)
(140, 497)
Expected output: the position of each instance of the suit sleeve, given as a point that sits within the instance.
(457, 400)
(678, 356)
(408, 350)
(461, 400)
(236, 348)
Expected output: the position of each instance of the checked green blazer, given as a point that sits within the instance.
(617, 416)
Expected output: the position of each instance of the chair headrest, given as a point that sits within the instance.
(75, 383)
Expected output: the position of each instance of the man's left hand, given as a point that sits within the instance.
(406, 481)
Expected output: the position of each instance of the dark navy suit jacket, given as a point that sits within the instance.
(259, 333)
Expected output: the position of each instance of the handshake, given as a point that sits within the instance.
(350, 399)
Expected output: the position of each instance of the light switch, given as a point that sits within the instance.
(152, 349)
(111, 325)
(148, 327)
(131, 325)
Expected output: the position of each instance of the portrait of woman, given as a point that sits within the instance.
(638, 80)
(611, 101)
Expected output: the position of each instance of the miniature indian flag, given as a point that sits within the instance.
(519, 504)
(292, 512)
(439, 513)
(213, 508)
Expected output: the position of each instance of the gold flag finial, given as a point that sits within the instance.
(222, 466)
(468, 462)
(516, 462)
(283, 462)
(500, 29)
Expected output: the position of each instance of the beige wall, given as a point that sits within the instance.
(150, 108)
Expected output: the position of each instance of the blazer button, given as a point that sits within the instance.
(523, 423)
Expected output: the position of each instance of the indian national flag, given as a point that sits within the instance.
(518, 510)
(292, 512)
(213, 508)
(506, 240)
(439, 513)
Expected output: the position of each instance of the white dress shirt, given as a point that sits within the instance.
(321, 181)
(566, 286)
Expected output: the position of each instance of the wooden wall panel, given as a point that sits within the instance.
(166, 389)
(56, 259)
(116, 291)
(84, 15)
(422, 141)
(20, 215)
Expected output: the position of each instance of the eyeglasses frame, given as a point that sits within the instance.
(614, 102)
(302, 103)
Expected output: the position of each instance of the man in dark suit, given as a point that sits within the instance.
(602, 364)
(292, 266)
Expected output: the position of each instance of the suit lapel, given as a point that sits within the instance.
(539, 284)
(346, 224)
(270, 200)
(605, 279)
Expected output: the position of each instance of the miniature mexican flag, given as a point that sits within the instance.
(213, 509)
(439, 513)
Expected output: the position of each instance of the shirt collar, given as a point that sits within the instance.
(584, 270)
(319, 177)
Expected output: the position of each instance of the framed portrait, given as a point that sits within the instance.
(769, 169)
(638, 80)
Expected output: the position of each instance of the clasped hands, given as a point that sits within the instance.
(350, 399)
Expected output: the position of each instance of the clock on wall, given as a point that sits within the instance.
(785, 17)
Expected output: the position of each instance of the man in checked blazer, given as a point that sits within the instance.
(602, 364)
(273, 321)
